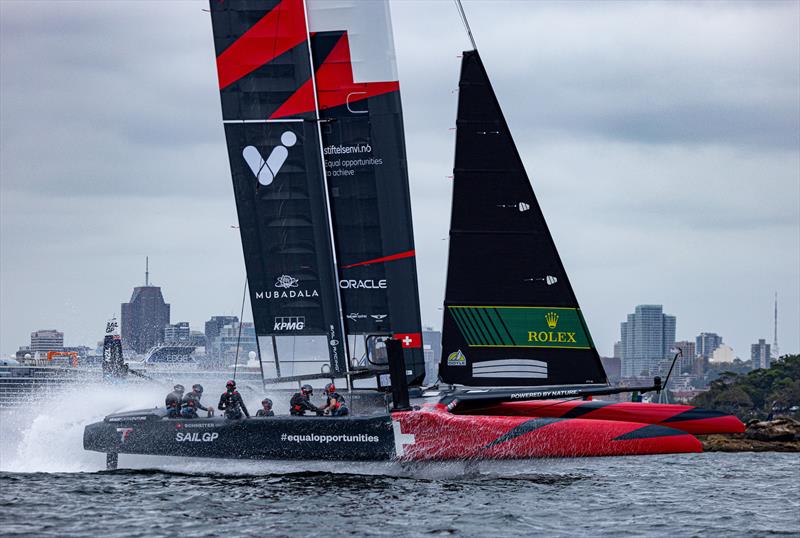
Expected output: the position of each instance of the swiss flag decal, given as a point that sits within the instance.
(410, 340)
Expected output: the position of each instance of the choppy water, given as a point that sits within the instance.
(50, 487)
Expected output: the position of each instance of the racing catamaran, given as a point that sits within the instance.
(312, 116)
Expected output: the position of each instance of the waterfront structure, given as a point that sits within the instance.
(706, 343)
(760, 354)
(144, 318)
(724, 353)
(686, 362)
(177, 332)
(647, 338)
(47, 340)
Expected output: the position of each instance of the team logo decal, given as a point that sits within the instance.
(266, 170)
(286, 282)
(456, 359)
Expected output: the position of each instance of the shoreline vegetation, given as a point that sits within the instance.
(767, 400)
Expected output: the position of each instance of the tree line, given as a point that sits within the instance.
(759, 394)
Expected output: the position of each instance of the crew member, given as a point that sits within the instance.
(231, 402)
(191, 403)
(301, 402)
(335, 405)
(173, 401)
(266, 409)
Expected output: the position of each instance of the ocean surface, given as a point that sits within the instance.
(49, 486)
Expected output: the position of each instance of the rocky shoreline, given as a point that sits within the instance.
(779, 435)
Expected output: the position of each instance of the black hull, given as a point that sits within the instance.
(282, 437)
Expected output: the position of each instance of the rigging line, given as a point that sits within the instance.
(464, 20)
(239, 338)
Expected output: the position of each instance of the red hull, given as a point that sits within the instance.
(439, 435)
(681, 417)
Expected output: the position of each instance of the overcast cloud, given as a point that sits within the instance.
(661, 139)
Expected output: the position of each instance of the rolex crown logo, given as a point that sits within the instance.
(552, 319)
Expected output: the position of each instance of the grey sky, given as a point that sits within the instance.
(661, 138)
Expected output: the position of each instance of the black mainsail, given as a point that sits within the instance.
(358, 95)
(263, 59)
(511, 317)
(313, 121)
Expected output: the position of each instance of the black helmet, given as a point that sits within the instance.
(267, 402)
(330, 388)
(231, 384)
(307, 389)
(197, 387)
(178, 388)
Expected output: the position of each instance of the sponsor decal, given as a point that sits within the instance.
(521, 326)
(124, 433)
(369, 284)
(266, 170)
(543, 394)
(287, 281)
(287, 284)
(409, 340)
(510, 368)
(521, 206)
(128, 419)
(326, 439)
(333, 342)
(196, 437)
(378, 317)
(180, 425)
(112, 326)
(289, 323)
(552, 336)
(353, 316)
(456, 359)
(401, 439)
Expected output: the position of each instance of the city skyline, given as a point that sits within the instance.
(645, 164)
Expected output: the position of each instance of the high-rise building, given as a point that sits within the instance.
(706, 344)
(617, 350)
(230, 338)
(47, 340)
(646, 339)
(214, 327)
(177, 332)
(144, 317)
(432, 351)
(686, 362)
(759, 353)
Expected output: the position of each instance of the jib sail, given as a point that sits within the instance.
(263, 63)
(365, 162)
(510, 317)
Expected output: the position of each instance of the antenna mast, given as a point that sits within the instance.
(147, 270)
(775, 351)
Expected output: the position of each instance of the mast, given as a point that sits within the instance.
(775, 351)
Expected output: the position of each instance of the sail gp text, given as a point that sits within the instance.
(196, 437)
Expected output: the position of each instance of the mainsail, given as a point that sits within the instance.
(313, 120)
(365, 158)
(263, 59)
(511, 317)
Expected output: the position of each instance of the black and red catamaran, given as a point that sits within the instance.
(312, 116)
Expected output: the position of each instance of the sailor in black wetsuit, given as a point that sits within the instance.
(173, 402)
(301, 402)
(266, 409)
(231, 402)
(191, 403)
(335, 405)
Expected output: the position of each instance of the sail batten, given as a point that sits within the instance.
(511, 317)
